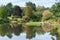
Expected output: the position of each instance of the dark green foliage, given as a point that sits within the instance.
(9, 7)
(36, 16)
(17, 11)
(32, 5)
(40, 9)
(3, 12)
(56, 9)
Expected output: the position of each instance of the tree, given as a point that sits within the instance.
(9, 8)
(46, 15)
(28, 11)
(38, 16)
(30, 8)
(3, 12)
(32, 5)
(56, 9)
(40, 9)
(17, 11)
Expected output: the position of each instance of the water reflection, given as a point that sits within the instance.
(22, 36)
(17, 29)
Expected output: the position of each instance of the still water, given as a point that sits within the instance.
(17, 32)
(22, 36)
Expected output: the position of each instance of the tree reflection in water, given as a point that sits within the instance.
(8, 30)
(30, 33)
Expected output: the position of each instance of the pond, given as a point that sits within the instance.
(22, 36)
(17, 32)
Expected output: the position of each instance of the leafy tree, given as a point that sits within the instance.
(9, 8)
(28, 11)
(40, 9)
(3, 15)
(36, 16)
(17, 11)
(24, 9)
(3, 12)
(32, 5)
(56, 9)
(46, 15)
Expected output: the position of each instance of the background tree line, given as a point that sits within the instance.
(30, 12)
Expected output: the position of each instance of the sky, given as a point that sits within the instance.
(22, 3)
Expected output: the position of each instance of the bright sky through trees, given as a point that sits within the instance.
(46, 3)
